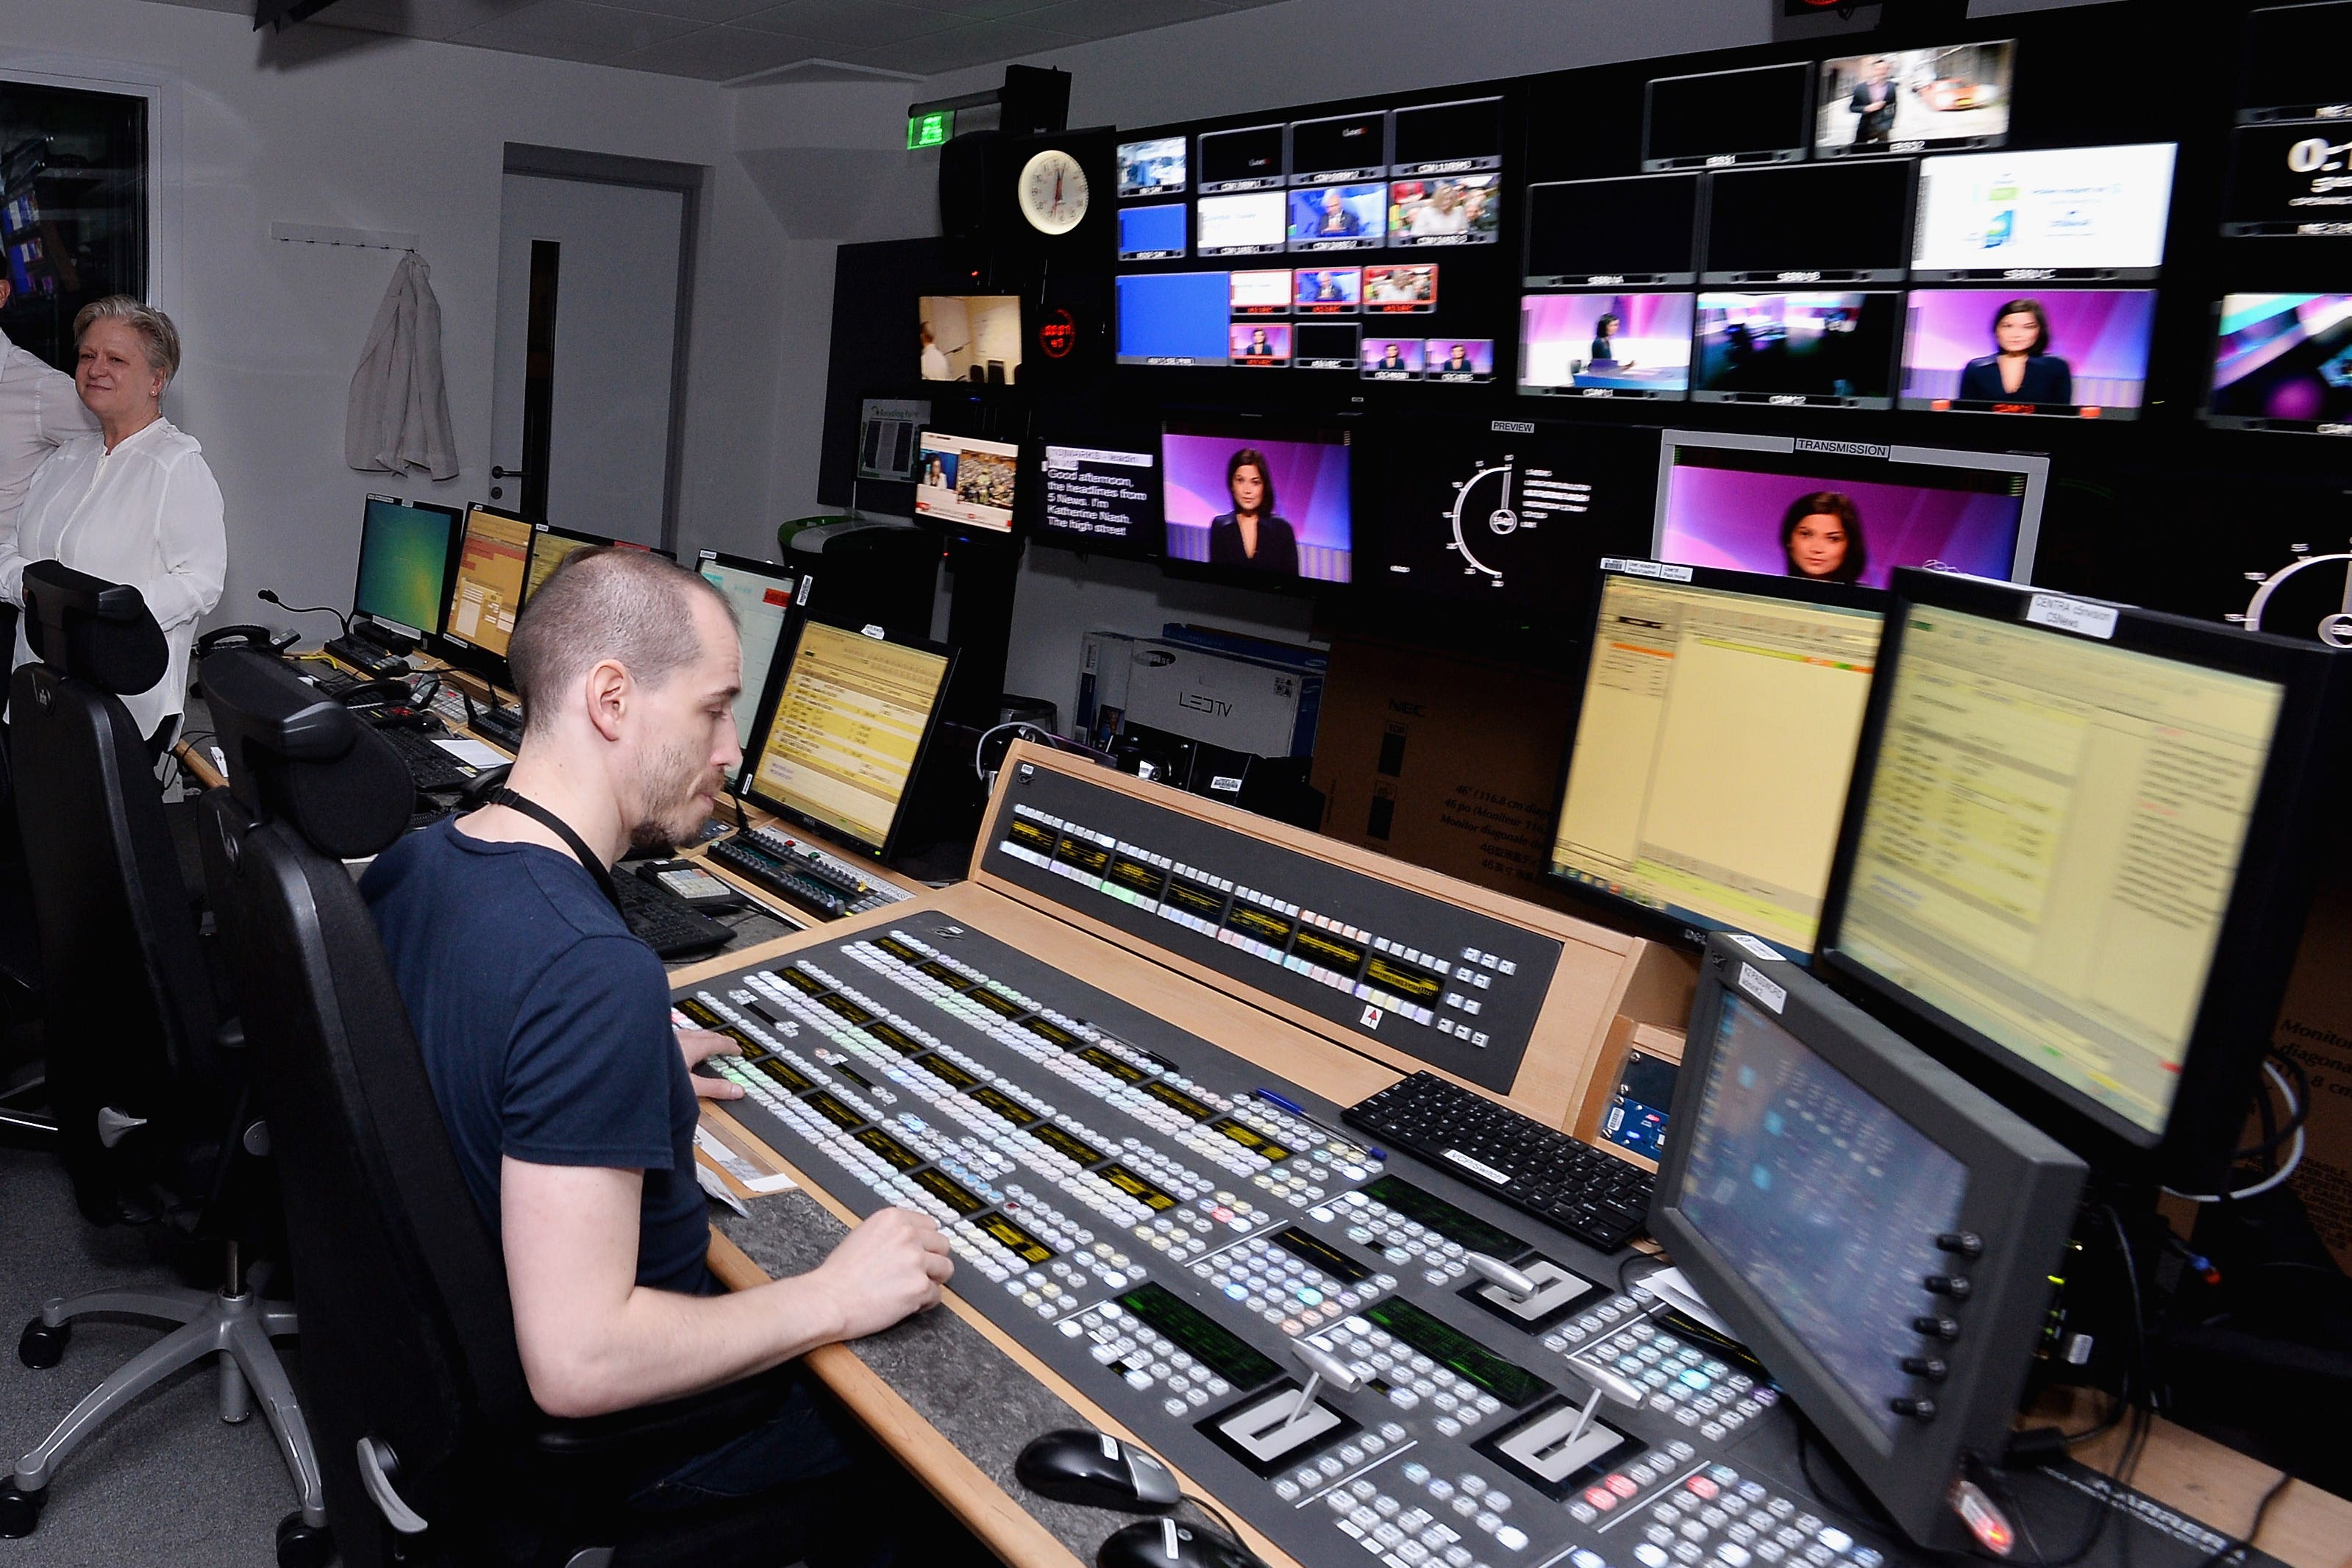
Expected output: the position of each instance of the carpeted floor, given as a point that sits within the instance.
(164, 1483)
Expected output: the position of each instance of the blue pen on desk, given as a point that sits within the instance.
(1300, 1111)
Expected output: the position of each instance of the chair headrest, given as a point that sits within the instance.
(86, 628)
(297, 755)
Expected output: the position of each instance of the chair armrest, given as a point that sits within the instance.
(653, 1439)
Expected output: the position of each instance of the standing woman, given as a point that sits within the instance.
(134, 503)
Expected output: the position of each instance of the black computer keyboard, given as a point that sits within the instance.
(429, 767)
(378, 663)
(801, 874)
(665, 923)
(1595, 1197)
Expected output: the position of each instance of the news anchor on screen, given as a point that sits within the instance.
(1458, 360)
(1874, 104)
(2023, 370)
(1604, 340)
(1337, 222)
(1821, 534)
(1252, 534)
(1391, 359)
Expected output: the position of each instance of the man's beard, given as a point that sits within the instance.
(668, 781)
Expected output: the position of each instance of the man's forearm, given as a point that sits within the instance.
(659, 1345)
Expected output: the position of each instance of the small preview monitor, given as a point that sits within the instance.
(2289, 182)
(1160, 232)
(1459, 362)
(1262, 498)
(1714, 737)
(1340, 150)
(2063, 214)
(1915, 101)
(887, 428)
(1641, 231)
(1338, 217)
(548, 547)
(1446, 209)
(1103, 499)
(842, 728)
(2073, 848)
(971, 337)
(1762, 115)
(407, 554)
(1326, 291)
(1814, 348)
(2283, 362)
(2295, 63)
(1809, 223)
(1259, 292)
(1151, 167)
(1832, 511)
(1248, 159)
(1393, 357)
(1606, 345)
(2075, 352)
(486, 593)
(1400, 290)
(1262, 344)
(1172, 318)
(762, 593)
(1833, 1193)
(1457, 138)
(966, 481)
(1248, 222)
(1325, 345)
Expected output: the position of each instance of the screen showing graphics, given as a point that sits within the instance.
(1759, 116)
(1449, 138)
(2295, 63)
(1400, 290)
(2087, 213)
(1338, 217)
(549, 547)
(2047, 845)
(971, 337)
(1244, 160)
(1638, 1112)
(2283, 362)
(963, 478)
(1605, 345)
(486, 592)
(2082, 352)
(762, 593)
(1272, 500)
(1822, 1199)
(1260, 343)
(1456, 209)
(1172, 318)
(1154, 234)
(1328, 290)
(1459, 361)
(405, 563)
(1325, 345)
(1641, 230)
(1855, 225)
(1249, 224)
(1100, 498)
(887, 427)
(1335, 150)
(1819, 509)
(1390, 358)
(1813, 350)
(848, 722)
(1151, 168)
(1260, 293)
(2289, 182)
(1713, 748)
(1915, 101)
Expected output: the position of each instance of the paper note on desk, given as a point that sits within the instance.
(472, 752)
(723, 1155)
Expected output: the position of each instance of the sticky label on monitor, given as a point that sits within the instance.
(1666, 570)
(2072, 616)
(1764, 950)
(1753, 982)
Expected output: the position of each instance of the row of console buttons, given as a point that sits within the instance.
(1287, 1291)
(1407, 1377)
(1364, 1449)
(1720, 1517)
(1683, 1381)
(1419, 1531)
(1146, 1359)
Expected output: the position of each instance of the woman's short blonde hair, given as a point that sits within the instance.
(155, 331)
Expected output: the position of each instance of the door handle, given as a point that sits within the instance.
(498, 473)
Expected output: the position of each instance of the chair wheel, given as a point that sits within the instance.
(40, 1346)
(20, 1512)
(301, 1545)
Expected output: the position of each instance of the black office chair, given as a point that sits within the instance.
(433, 1449)
(143, 1071)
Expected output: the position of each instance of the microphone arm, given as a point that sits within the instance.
(269, 595)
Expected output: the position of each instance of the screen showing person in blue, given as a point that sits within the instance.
(1173, 318)
(1336, 215)
(1823, 1199)
(1150, 232)
(2021, 369)
(403, 555)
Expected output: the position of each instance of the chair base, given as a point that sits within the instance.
(237, 1328)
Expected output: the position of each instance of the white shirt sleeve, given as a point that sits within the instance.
(58, 413)
(191, 537)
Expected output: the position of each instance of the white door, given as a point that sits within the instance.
(614, 273)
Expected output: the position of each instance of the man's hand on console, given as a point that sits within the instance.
(700, 1046)
(888, 1268)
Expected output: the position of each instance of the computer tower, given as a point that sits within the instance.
(875, 571)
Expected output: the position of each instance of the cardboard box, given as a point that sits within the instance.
(2314, 1027)
(1251, 706)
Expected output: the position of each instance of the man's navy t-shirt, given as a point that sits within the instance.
(545, 1028)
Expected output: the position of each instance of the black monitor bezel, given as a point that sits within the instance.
(457, 520)
(2262, 924)
(2020, 1198)
(455, 650)
(1621, 910)
(1013, 534)
(541, 530)
(747, 775)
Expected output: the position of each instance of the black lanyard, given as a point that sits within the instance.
(562, 829)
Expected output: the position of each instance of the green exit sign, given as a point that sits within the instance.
(930, 130)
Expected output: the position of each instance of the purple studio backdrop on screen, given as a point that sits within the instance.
(1310, 482)
(1732, 518)
(2101, 334)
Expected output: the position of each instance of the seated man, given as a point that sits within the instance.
(545, 1028)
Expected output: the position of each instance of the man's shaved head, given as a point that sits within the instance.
(628, 606)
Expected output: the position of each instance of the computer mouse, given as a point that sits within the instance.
(1095, 1468)
(1164, 1543)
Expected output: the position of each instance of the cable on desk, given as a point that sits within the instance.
(2235, 1550)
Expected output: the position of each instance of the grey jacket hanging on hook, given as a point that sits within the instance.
(399, 417)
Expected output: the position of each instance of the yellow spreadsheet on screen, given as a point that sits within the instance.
(2049, 843)
(848, 721)
(548, 551)
(488, 590)
(1713, 753)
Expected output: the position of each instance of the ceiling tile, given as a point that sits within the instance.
(693, 10)
(721, 54)
(1096, 19)
(581, 25)
(241, 7)
(418, 18)
(982, 43)
(850, 24)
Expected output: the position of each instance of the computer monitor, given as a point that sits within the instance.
(2283, 362)
(967, 482)
(1641, 231)
(2058, 213)
(548, 547)
(1605, 345)
(970, 337)
(2074, 848)
(841, 730)
(1761, 115)
(1741, 502)
(1297, 475)
(1880, 1234)
(1856, 226)
(1817, 348)
(1098, 490)
(1915, 101)
(2080, 353)
(406, 551)
(761, 592)
(486, 593)
(1711, 748)
(1174, 319)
